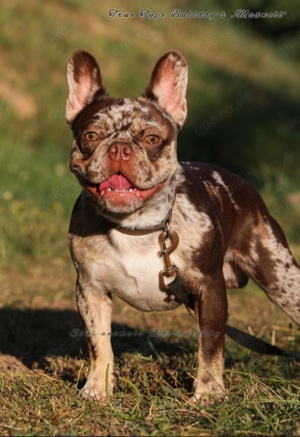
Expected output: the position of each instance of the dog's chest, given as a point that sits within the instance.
(132, 272)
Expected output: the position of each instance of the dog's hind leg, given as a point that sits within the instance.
(269, 262)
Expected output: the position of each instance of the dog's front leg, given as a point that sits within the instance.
(95, 309)
(211, 314)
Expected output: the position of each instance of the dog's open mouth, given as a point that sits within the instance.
(119, 190)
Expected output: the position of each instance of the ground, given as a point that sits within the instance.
(43, 363)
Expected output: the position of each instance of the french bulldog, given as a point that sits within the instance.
(136, 196)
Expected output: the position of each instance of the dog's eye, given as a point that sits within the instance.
(151, 139)
(91, 136)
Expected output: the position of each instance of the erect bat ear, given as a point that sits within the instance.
(168, 85)
(84, 81)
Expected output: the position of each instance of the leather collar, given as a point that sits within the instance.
(164, 226)
(144, 231)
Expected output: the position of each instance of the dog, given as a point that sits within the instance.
(137, 199)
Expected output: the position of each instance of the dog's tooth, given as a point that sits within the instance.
(137, 193)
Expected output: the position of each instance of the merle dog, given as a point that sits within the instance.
(124, 156)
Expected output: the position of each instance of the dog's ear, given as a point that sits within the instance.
(168, 85)
(84, 81)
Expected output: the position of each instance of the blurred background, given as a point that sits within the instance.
(243, 109)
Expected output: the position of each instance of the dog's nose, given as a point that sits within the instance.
(120, 152)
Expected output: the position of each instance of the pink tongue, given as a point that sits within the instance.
(116, 182)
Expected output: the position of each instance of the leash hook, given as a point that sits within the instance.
(170, 269)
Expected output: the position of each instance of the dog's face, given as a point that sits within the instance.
(124, 151)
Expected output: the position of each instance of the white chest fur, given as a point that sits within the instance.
(132, 272)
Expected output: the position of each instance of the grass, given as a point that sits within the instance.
(151, 399)
(41, 365)
(44, 363)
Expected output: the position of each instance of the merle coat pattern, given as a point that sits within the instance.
(124, 156)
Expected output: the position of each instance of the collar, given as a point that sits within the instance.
(163, 226)
(144, 231)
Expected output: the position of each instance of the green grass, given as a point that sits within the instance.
(151, 398)
(41, 366)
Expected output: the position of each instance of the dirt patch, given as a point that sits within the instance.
(23, 104)
(11, 365)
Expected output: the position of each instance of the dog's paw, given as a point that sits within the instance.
(207, 398)
(93, 393)
(208, 389)
(93, 389)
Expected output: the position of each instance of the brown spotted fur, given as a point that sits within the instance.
(226, 233)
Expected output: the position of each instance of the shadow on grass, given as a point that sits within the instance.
(33, 336)
(53, 341)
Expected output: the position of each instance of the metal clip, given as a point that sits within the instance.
(170, 269)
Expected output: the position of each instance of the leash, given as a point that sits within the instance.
(177, 290)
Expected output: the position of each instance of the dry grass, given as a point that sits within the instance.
(42, 366)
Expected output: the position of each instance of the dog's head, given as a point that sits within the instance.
(124, 150)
